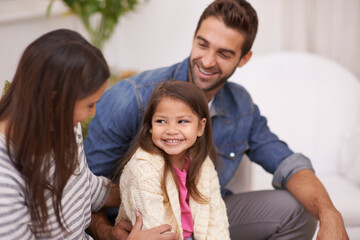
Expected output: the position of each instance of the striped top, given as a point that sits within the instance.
(83, 194)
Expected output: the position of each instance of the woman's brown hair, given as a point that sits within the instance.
(202, 148)
(56, 70)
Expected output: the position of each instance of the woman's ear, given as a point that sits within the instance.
(202, 124)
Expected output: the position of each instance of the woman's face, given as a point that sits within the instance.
(86, 107)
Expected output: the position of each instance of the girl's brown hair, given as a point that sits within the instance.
(56, 70)
(203, 147)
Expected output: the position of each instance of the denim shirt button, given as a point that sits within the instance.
(232, 154)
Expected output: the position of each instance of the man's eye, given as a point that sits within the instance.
(203, 45)
(223, 55)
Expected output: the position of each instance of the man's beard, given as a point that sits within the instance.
(219, 82)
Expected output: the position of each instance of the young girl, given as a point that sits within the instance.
(46, 188)
(170, 175)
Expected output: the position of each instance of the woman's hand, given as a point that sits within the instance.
(154, 233)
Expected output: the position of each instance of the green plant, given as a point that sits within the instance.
(99, 17)
(6, 86)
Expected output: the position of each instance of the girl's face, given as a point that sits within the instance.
(175, 128)
(86, 107)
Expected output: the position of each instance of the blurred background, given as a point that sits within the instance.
(159, 32)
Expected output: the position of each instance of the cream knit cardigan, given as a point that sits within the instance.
(140, 187)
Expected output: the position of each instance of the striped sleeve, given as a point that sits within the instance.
(100, 189)
(14, 215)
(100, 186)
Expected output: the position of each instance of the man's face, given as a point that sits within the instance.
(215, 54)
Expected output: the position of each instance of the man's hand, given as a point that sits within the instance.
(154, 233)
(101, 228)
(331, 227)
(310, 192)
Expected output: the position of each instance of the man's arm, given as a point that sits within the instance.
(310, 192)
(113, 199)
(101, 228)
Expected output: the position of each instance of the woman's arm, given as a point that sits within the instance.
(102, 229)
(15, 217)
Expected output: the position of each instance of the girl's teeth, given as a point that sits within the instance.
(172, 141)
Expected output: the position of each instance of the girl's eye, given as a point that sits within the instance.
(183, 121)
(160, 121)
(91, 105)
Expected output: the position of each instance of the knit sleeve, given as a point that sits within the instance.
(140, 190)
(218, 222)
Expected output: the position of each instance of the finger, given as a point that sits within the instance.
(162, 228)
(125, 225)
(168, 236)
(138, 223)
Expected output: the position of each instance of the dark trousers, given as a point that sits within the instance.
(272, 214)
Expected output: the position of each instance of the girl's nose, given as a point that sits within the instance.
(172, 129)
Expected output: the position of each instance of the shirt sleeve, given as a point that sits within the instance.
(113, 128)
(266, 148)
(99, 185)
(288, 168)
(15, 220)
(100, 189)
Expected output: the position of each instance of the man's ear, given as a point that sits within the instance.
(202, 124)
(245, 59)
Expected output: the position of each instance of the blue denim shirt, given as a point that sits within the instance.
(238, 128)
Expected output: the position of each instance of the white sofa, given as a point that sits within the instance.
(313, 104)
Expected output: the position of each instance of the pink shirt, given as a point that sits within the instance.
(186, 217)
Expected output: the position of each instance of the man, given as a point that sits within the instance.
(222, 42)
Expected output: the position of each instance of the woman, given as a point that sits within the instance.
(46, 188)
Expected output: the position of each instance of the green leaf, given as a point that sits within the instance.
(6, 87)
(85, 125)
(110, 11)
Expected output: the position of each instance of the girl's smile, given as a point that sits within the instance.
(175, 128)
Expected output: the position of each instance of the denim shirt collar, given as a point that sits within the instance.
(181, 71)
(218, 107)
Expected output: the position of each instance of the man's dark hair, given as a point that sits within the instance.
(236, 14)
